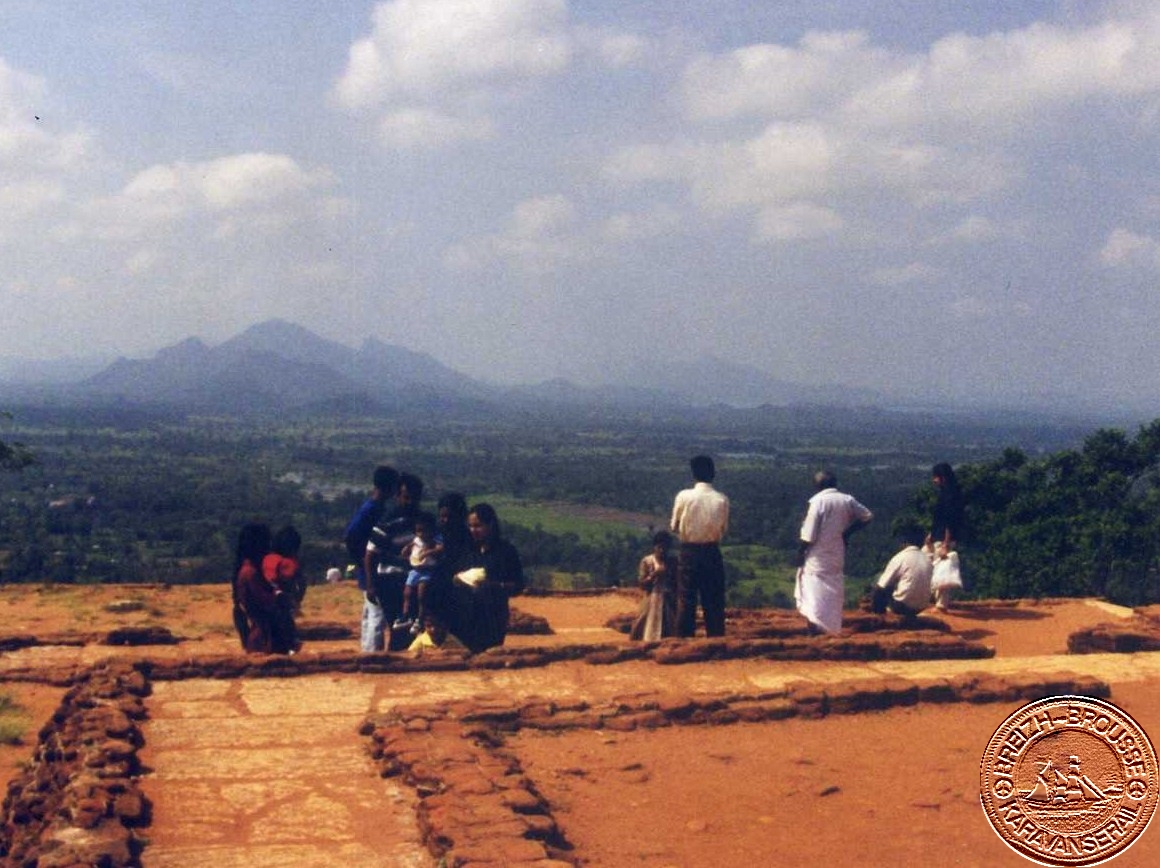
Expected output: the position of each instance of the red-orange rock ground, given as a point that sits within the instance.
(259, 770)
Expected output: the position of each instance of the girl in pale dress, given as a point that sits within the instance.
(658, 580)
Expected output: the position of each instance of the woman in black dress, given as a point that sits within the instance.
(487, 575)
(947, 514)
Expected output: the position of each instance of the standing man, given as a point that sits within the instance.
(831, 519)
(700, 519)
(358, 532)
(385, 567)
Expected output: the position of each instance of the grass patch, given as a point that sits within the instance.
(561, 519)
(14, 721)
(556, 580)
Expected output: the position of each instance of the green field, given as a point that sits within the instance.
(591, 525)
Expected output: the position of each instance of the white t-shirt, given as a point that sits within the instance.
(700, 514)
(829, 515)
(908, 573)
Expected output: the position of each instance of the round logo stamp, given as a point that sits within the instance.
(1069, 780)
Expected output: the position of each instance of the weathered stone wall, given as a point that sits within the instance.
(78, 801)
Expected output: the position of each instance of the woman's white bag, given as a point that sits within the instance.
(946, 573)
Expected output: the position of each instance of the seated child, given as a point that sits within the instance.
(434, 636)
(904, 586)
(281, 569)
(423, 553)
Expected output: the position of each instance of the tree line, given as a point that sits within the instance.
(1078, 522)
(161, 500)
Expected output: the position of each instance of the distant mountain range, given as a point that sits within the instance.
(282, 367)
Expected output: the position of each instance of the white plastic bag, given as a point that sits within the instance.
(946, 573)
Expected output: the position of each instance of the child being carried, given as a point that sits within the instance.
(423, 553)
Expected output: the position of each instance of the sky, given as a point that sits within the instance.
(948, 200)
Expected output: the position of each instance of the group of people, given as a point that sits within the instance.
(927, 567)
(673, 585)
(429, 579)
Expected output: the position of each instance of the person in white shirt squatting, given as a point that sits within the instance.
(904, 586)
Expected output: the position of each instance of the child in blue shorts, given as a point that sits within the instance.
(423, 553)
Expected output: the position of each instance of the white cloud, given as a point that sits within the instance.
(847, 121)
(796, 222)
(240, 192)
(430, 68)
(1002, 79)
(542, 217)
(636, 226)
(541, 234)
(20, 200)
(998, 80)
(420, 46)
(254, 180)
(410, 128)
(1126, 248)
(616, 49)
(974, 229)
(783, 81)
(142, 261)
(783, 163)
(913, 272)
(433, 72)
(37, 155)
(971, 307)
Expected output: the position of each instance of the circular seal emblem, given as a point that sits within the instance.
(1069, 780)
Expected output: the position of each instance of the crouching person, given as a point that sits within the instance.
(904, 586)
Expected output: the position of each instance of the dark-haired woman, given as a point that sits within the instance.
(283, 573)
(253, 546)
(452, 515)
(487, 575)
(946, 520)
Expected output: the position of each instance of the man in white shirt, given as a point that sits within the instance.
(904, 586)
(831, 519)
(700, 519)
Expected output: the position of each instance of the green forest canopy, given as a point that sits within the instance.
(1079, 522)
(161, 501)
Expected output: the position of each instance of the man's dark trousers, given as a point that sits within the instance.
(700, 571)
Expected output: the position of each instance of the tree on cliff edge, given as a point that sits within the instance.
(14, 456)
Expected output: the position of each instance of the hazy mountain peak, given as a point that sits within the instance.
(290, 341)
(277, 330)
(186, 349)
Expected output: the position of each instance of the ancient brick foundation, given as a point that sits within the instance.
(477, 807)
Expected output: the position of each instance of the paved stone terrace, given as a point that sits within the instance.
(244, 764)
(271, 772)
(274, 771)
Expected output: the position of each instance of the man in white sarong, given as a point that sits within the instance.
(830, 520)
